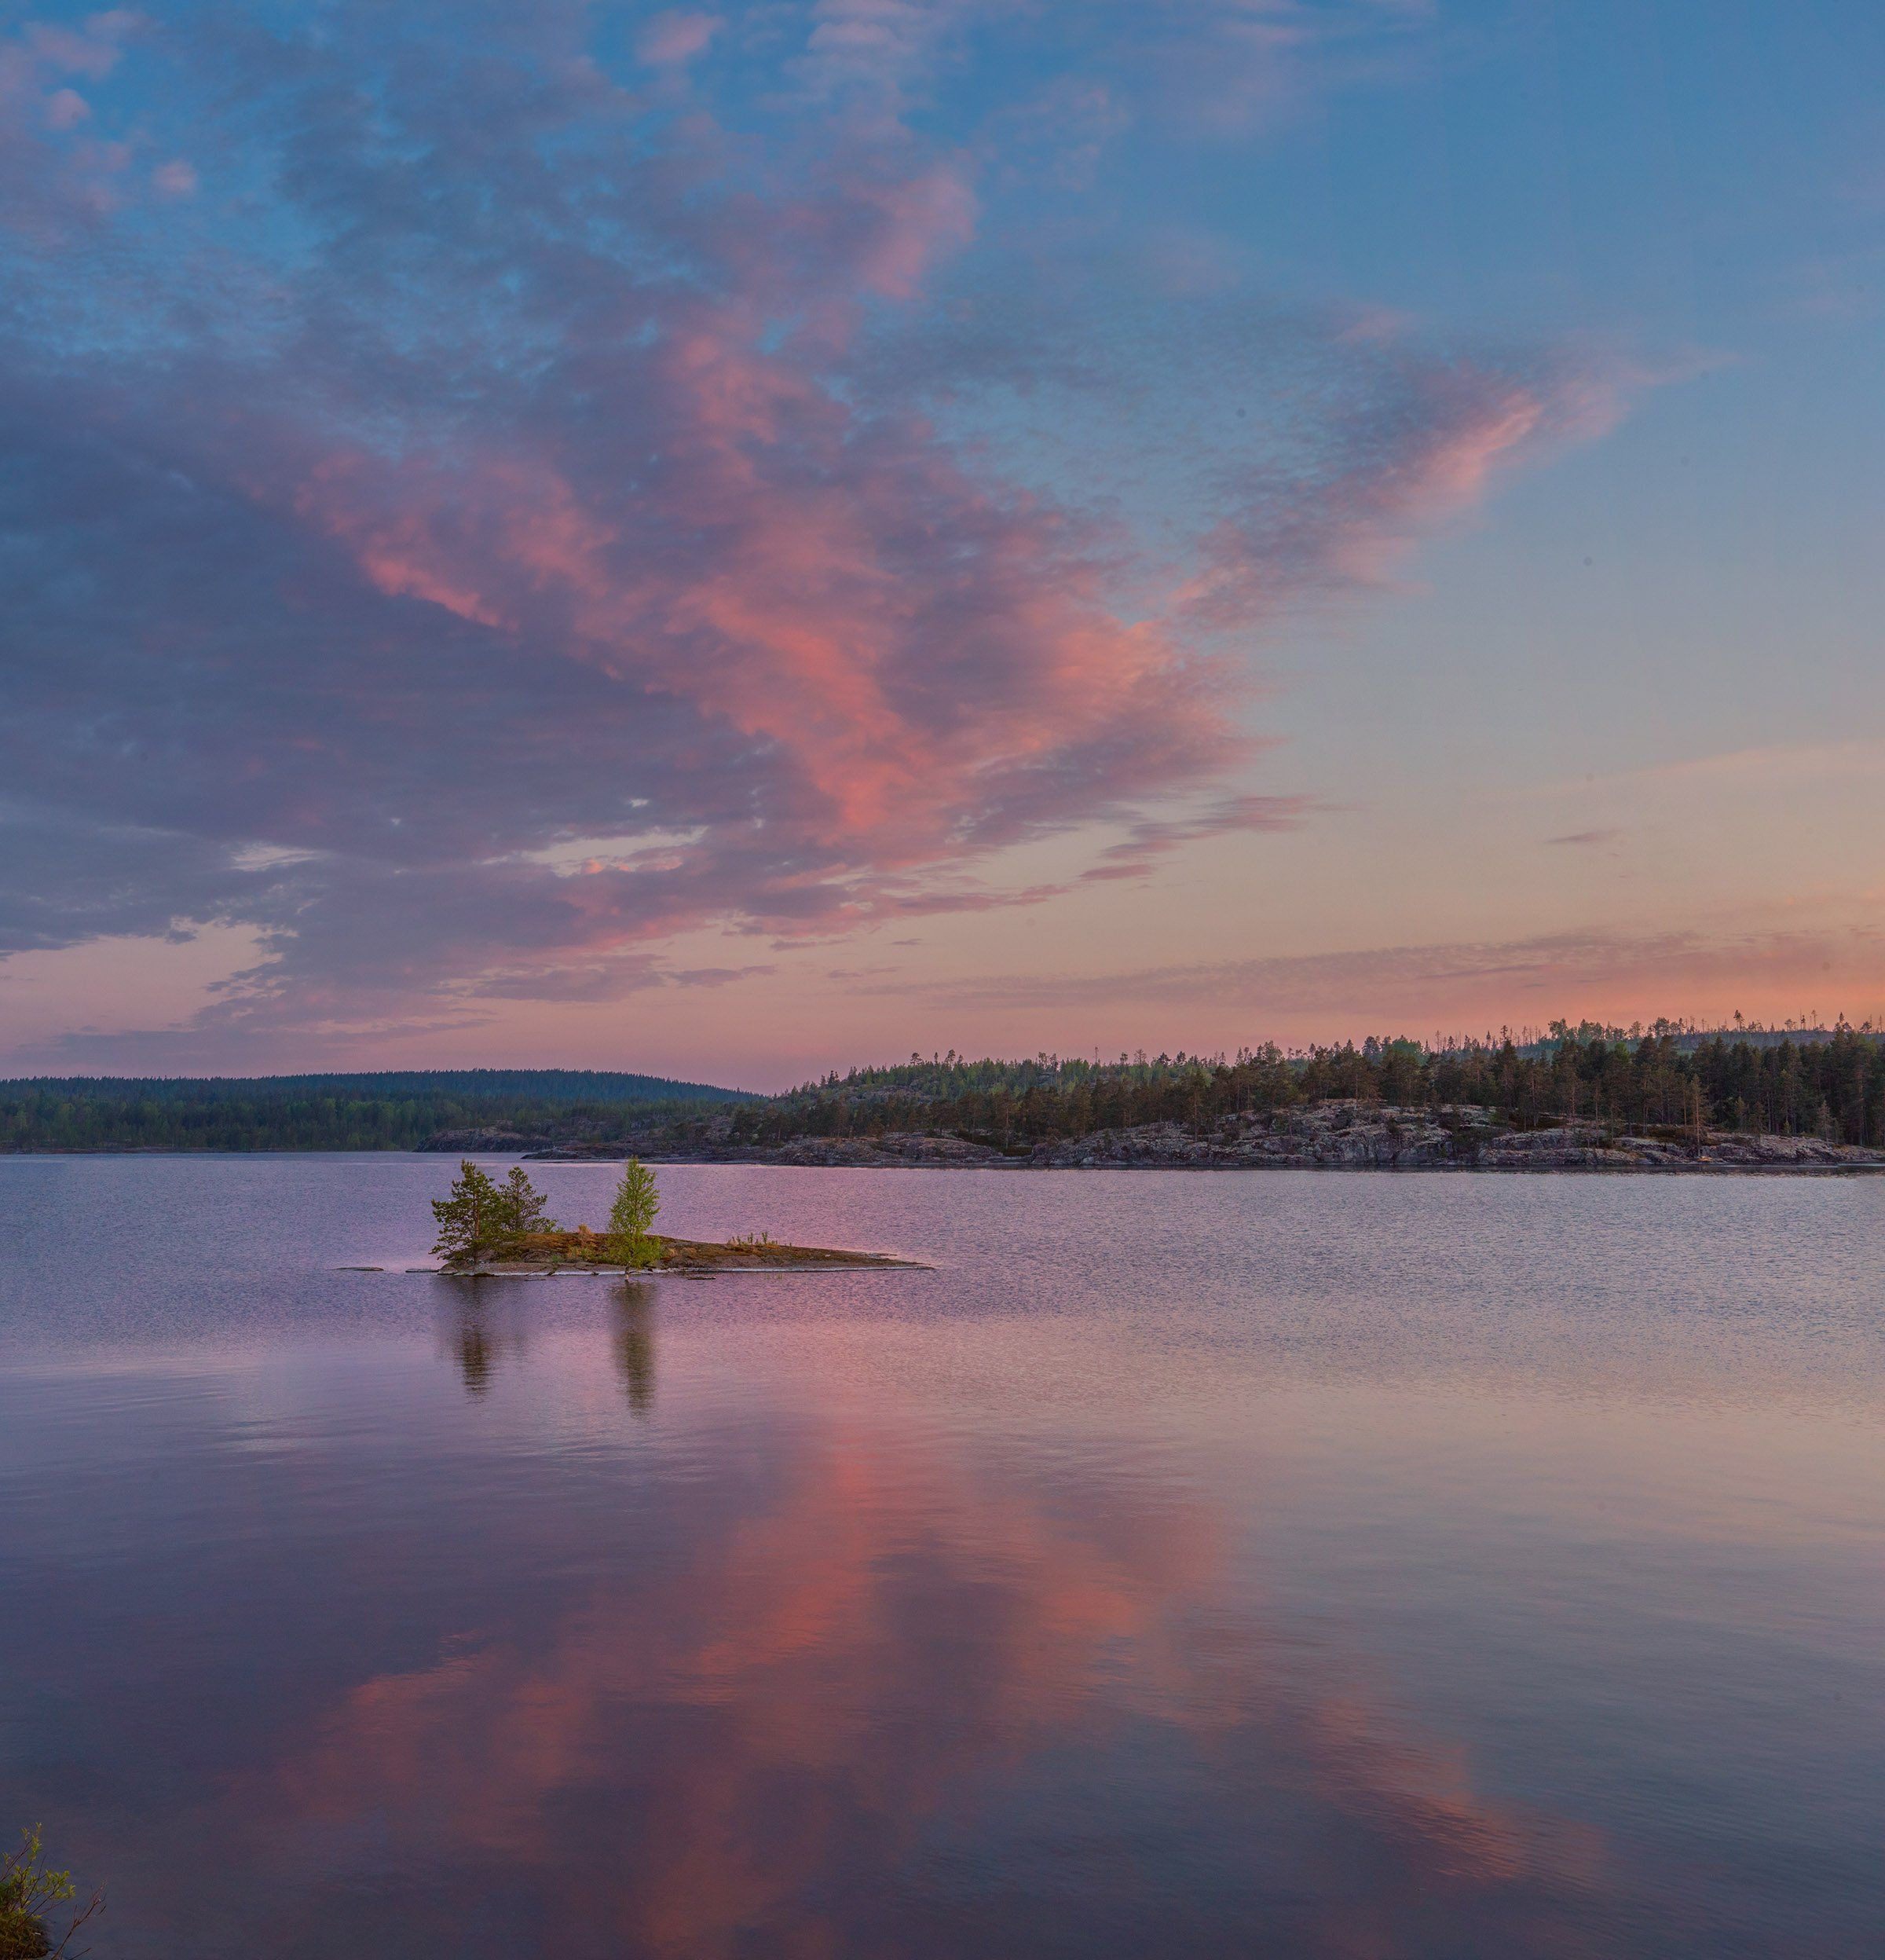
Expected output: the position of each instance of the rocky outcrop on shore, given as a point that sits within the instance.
(1324, 1136)
(1356, 1136)
(491, 1143)
(1341, 1136)
(906, 1148)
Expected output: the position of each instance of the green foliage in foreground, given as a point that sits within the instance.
(398, 1110)
(1833, 1087)
(28, 1891)
(632, 1215)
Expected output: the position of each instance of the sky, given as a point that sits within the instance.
(735, 540)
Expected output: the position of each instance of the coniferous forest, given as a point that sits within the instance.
(1827, 1084)
(388, 1112)
(1830, 1084)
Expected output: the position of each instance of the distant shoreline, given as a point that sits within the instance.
(1335, 1134)
(1703, 1168)
(784, 1158)
(1588, 1098)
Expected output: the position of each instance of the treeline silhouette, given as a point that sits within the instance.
(397, 1111)
(1831, 1085)
(1833, 1088)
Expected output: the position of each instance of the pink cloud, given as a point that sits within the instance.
(925, 217)
(672, 40)
(1136, 1606)
(1237, 67)
(1707, 969)
(93, 51)
(1384, 482)
(798, 629)
(1152, 838)
(65, 109)
(580, 495)
(51, 190)
(882, 47)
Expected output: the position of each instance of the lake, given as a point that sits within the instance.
(1286, 1563)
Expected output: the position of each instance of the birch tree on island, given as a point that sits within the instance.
(631, 1215)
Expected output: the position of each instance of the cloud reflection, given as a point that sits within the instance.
(880, 1702)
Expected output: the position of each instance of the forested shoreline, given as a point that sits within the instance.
(1832, 1088)
(396, 1111)
(1828, 1084)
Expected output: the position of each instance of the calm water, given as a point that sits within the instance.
(1267, 1565)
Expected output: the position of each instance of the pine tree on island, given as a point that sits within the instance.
(629, 1238)
(467, 1216)
(481, 1219)
(525, 1205)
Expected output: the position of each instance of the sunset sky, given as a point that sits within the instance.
(738, 540)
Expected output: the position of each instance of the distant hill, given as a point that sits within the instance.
(395, 1110)
(1829, 1084)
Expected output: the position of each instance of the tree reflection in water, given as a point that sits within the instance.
(476, 1354)
(483, 1335)
(634, 1306)
(478, 1340)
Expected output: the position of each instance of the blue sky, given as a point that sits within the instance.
(740, 539)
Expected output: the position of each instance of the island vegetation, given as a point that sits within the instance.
(488, 1227)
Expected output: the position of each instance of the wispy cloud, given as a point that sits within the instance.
(671, 39)
(1771, 763)
(1410, 985)
(453, 457)
(1152, 838)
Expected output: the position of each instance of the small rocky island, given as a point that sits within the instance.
(486, 1228)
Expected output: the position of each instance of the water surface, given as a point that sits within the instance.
(1312, 1565)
